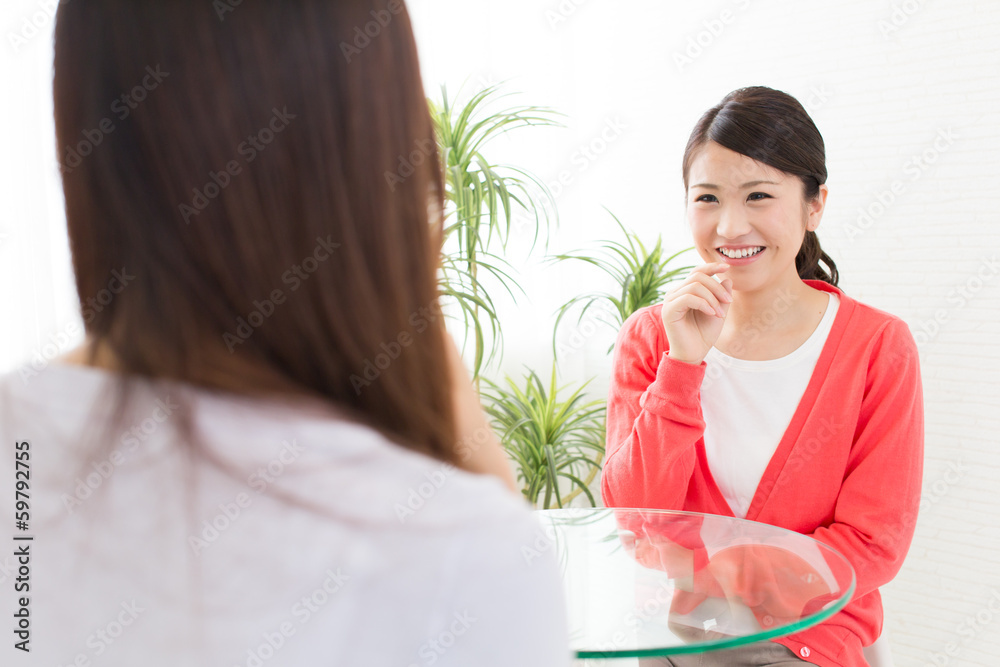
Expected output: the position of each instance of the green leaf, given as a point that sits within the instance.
(641, 276)
(480, 200)
(554, 437)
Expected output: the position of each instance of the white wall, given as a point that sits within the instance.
(36, 283)
(883, 81)
(880, 92)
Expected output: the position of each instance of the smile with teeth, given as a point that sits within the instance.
(738, 253)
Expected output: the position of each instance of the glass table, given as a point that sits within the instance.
(643, 583)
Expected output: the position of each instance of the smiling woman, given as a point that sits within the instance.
(770, 136)
(759, 222)
(758, 388)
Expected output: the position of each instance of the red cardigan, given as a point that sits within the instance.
(847, 471)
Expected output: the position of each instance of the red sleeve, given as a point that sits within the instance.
(876, 510)
(654, 419)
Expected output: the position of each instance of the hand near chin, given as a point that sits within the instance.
(694, 313)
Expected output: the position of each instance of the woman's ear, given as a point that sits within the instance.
(815, 208)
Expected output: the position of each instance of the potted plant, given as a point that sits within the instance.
(480, 200)
(555, 442)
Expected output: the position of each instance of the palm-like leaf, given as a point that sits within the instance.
(480, 199)
(557, 443)
(641, 274)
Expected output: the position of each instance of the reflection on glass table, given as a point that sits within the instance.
(654, 582)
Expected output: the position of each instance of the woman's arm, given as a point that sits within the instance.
(478, 449)
(654, 419)
(876, 509)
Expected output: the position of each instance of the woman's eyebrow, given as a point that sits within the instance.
(749, 184)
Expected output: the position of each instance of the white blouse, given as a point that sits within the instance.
(747, 406)
(143, 555)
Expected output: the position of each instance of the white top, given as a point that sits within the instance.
(747, 406)
(143, 557)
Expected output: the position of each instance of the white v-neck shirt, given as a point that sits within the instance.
(747, 406)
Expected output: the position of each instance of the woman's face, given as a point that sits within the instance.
(749, 215)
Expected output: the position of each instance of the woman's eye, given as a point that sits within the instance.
(707, 198)
(757, 196)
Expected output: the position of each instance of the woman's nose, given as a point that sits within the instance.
(732, 223)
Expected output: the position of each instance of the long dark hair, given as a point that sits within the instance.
(772, 128)
(262, 173)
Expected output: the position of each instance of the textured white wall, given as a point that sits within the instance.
(907, 95)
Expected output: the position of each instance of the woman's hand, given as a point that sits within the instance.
(777, 584)
(694, 313)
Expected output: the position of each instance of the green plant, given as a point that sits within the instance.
(480, 199)
(557, 442)
(640, 274)
(554, 441)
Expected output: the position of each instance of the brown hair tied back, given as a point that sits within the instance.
(771, 127)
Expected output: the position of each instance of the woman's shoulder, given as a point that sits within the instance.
(874, 332)
(346, 466)
(880, 322)
(645, 316)
(644, 326)
(863, 319)
(358, 470)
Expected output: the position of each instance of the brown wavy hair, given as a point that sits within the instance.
(264, 175)
(773, 128)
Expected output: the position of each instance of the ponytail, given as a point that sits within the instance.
(807, 262)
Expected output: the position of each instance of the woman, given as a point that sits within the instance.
(758, 388)
(268, 452)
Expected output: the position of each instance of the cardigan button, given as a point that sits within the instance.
(804, 651)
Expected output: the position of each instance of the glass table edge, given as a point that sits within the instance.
(655, 510)
(735, 642)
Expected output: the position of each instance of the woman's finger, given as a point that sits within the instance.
(711, 269)
(717, 288)
(706, 293)
(687, 302)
